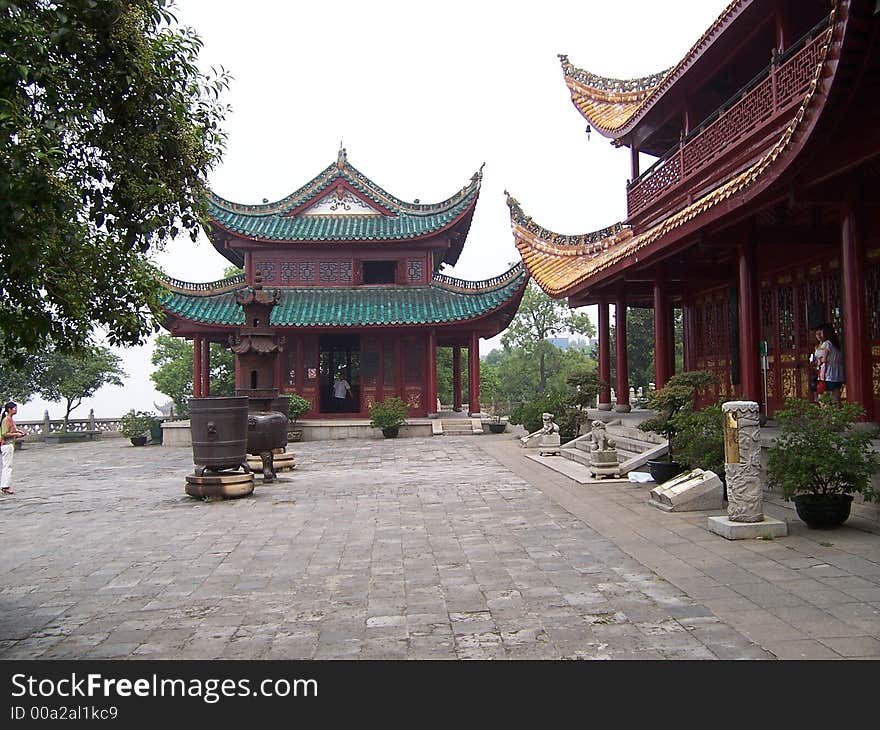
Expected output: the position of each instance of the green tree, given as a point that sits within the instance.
(70, 377)
(173, 376)
(107, 133)
(640, 346)
(537, 318)
(19, 376)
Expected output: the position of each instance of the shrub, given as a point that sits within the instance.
(296, 407)
(821, 451)
(388, 413)
(137, 423)
(699, 439)
(677, 395)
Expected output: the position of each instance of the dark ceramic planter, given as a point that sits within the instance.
(138, 440)
(823, 510)
(663, 471)
(390, 433)
(497, 427)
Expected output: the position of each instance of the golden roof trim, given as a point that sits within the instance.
(551, 265)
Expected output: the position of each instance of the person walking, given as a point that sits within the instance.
(829, 362)
(8, 434)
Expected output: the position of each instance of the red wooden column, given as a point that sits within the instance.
(856, 347)
(456, 378)
(197, 367)
(474, 375)
(206, 367)
(622, 386)
(604, 356)
(749, 326)
(661, 333)
(431, 392)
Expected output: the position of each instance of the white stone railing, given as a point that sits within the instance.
(37, 430)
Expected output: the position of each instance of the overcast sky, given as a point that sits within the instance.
(420, 95)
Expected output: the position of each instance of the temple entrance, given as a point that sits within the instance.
(340, 355)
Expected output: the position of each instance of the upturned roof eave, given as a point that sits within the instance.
(578, 82)
(562, 270)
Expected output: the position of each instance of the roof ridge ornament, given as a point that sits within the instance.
(341, 157)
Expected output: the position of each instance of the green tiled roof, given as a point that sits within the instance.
(281, 221)
(443, 300)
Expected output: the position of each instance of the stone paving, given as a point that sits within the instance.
(417, 548)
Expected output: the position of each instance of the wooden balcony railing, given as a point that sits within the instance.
(776, 90)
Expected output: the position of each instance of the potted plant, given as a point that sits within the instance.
(500, 409)
(821, 458)
(668, 402)
(136, 426)
(587, 385)
(389, 415)
(297, 405)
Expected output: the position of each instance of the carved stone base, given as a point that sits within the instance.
(220, 485)
(604, 463)
(768, 528)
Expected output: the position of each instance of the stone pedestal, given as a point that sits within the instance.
(549, 445)
(767, 528)
(604, 463)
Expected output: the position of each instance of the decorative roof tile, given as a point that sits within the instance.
(365, 212)
(444, 300)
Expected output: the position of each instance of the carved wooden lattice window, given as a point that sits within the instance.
(766, 305)
(872, 300)
(711, 330)
(267, 271)
(785, 316)
(835, 312)
(328, 272)
(414, 270)
(288, 273)
(307, 272)
(345, 272)
(721, 339)
(699, 332)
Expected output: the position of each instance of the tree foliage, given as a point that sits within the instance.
(173, 376)
(107, 133)
(537, 318)
(70, 377)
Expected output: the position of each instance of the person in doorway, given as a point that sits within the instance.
(341, 391)
(829, 363)
(8, 434)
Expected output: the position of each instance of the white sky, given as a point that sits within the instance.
(420, 95)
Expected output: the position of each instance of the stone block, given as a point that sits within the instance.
(689, 492)
(768, 528)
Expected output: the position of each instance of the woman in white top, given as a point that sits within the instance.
(829, 361)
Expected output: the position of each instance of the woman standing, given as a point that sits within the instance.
(8, 433)
(829, 361)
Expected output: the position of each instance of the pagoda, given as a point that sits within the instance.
(758, 217)
(355, 276)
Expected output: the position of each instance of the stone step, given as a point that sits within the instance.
(635, 434)
(457, 428)
(577, 455)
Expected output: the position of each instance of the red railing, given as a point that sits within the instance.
(778, 89)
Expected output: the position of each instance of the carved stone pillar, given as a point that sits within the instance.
(742, 456)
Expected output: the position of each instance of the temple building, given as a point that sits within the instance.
(759, 217)
(356, 274)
